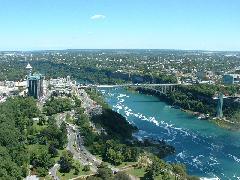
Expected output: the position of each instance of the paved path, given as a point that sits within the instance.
(32, 177)
(53, 172)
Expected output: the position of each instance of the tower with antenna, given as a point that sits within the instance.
(29, 69)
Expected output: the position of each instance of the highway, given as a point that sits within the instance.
(76, 147)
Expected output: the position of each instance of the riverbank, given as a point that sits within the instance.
(223, 123)
(125, 131)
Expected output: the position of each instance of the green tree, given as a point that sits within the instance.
(104, 172)
(40, 158)
(121, 176)
(66, 162)
(179, 170)
(42, 120)
(86, 168)
(157, 168)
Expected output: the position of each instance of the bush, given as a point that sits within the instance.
(86, 168)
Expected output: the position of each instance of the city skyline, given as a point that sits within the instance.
(185, 25)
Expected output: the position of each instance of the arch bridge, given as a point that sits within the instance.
(159, 88)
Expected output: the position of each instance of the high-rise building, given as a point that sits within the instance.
(231, 79)
(34, 83)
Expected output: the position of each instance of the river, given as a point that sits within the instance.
(206, 149)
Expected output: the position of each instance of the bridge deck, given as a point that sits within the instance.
(126, 85)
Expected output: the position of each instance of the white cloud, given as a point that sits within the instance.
(98, 16)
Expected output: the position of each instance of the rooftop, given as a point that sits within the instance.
(35, 76)
(29, 66)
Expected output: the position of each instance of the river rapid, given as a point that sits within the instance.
(206, 149)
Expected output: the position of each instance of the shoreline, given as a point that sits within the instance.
(223, 123)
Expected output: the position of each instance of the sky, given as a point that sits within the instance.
(120, 24)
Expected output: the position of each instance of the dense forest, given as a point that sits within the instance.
(15, 125)
(25, 142)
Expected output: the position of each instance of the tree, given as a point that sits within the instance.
(63, 135)
(94, 178)
(42, 120)
(39, 157)
(77, 102)
(53, 135)
(113, 152)
(104, 172)
(57, 105)
(157, 168)
(86, 168)
(114, 157)
(51, 120)
(144, 161)
(68, 118)
(179, 170)
(52, 150)
(8, 168)
(97, 148)
(66, 162)
(16, 123)
(77, 167)
(121, 176)
(42, 172)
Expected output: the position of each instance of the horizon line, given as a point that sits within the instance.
(168, 49)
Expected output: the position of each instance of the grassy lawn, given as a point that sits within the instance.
(141, 172)
(37, 127)
(137, 172)
(98, 157)
(125, 164)
(48, 177)
(70, 175)
(66, 176)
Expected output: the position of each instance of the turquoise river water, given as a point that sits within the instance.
(206, 149)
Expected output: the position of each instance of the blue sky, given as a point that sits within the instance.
(159, 24)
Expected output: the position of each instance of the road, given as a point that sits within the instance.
(75, 146)
(53, 172)
(80, 152)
